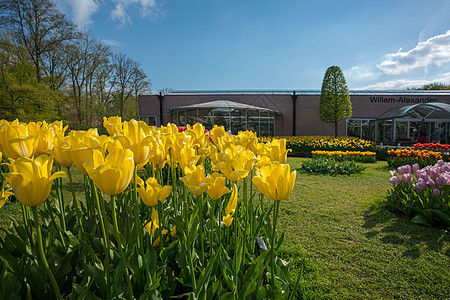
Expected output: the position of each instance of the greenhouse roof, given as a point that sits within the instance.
(434, 110)
(223, 104)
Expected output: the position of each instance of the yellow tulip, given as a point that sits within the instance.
(61, 152)
(31, 179)
(113, 125)
(232, 202)
(216, 132)
(112, 174)
(153, 192)
(187, 158)
(195, 179)
(275, 181)
(198, 133)
(236, 162)
(217, 187)
(15, 140)
(136, 137)
(3, 196)
(80, 156)
(277, 150)
(227, 220)
(159, 150)
(153, 225)
(180, 141)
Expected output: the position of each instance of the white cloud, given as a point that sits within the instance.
(80, 10)
(435, 50)
(359, 72)
(401, 84)
(112, 42)
(148, 8)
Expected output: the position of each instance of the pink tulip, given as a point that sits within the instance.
(420, 185)
(436, 192)
(415, 167)
(406, 177)
(430, 182)
(395, 180)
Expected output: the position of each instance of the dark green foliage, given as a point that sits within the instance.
(334, 98)
(423, 207)
(330, 166)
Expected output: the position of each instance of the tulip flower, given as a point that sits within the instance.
(187, 158)
(216, 132)
(136, 137)
(153, 192)
(217, 187)
(277, 151)
(81, 156)
(159, 150)
(395, 180)
(198, 133)
(15, 140)
(112, 174)
(31, 179)
(406, 177)
(227, 220)
(61, 152)
(436, 192)
(415, 168)
(195, 179)
(275, 181)
(153, 225)
(420, 185)
(236, 162)
(113, 125)
(3, 196)
(232, 202)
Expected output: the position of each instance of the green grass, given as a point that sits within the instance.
(350, 245)
(353, 247)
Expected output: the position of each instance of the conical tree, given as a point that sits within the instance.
(335, 102)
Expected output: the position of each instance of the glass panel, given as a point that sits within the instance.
(353, 128)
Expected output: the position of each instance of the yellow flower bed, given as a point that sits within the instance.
(306, 144)
(344, 153)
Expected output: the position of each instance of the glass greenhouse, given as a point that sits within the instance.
(407, 124)
(234, 116)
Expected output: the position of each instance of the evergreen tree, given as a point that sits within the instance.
(334, 98)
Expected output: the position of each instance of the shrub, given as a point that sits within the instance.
(422, 194)
(358, 156)
(330, 166)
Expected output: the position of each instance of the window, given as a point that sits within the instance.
(151, 120)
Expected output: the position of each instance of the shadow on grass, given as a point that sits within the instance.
(397, 229)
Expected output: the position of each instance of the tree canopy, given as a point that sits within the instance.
(49, 69)
(334, 98)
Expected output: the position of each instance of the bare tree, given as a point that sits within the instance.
(85, 57)
(38, 25)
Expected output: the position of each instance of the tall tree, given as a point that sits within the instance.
(130, 79)
(38, 25)
(334, 98)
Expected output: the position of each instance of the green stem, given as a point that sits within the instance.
(119, 247)
(25, 222)
(272, 254)
(74, 200)
(202, 242)
(236, 254)
(61, 199)
(42, 254)
(104, 232)
(138, 224)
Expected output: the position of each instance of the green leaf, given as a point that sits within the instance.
(419, 219)
(202, 284)
(227, 296)
(97, 274)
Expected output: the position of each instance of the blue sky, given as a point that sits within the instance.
(274, 45)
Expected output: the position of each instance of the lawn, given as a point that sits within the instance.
(350, 245)
(353, 248)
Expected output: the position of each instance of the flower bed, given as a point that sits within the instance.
(423, 158)
(181, 229)
(432, 146)
(358, 156)
(423, 194)
(303, 145)
(331, 166)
